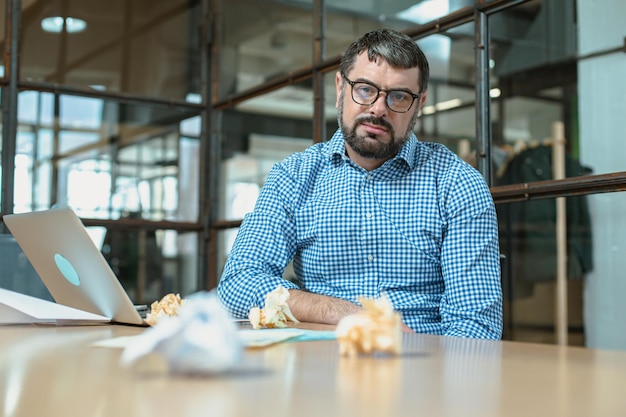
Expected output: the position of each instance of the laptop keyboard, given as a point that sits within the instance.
(142, 310)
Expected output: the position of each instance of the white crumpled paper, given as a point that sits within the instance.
(275, 313)
(201, 339)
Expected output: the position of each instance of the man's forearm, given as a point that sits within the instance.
(316, 308)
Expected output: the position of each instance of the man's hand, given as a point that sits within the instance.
(316, 308)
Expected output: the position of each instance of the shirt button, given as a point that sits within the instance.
(368, 215)
(370, 258)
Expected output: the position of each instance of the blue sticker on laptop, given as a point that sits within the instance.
(67, 269)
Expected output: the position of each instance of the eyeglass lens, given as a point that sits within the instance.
(397, 100)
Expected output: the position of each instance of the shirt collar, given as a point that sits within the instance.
(336, 149)
(408, 153)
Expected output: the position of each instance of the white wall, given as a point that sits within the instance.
(602, 113)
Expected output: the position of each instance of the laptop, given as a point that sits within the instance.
(69, 263)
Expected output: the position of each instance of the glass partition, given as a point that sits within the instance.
(103, 158)
(150, 263)
(262, 40)
(534, 78)
(558, 69)
(141, 47)
(448, 115)
(257, 134)
(594, 231)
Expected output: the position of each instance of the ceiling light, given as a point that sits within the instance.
(444, 105)
(495, 92)
(449, 104)
(426, 11)
(55, 24)
(428, 110)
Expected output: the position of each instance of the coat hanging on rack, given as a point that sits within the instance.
(528, 228)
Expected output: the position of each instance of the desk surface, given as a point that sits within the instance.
(56, 371)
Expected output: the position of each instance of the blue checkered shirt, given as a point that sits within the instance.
(422, 228)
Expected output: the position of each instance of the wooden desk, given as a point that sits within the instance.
(55, 371)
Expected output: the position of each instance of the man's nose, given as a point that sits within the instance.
(379, 107)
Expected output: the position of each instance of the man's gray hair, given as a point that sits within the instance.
(398, 49)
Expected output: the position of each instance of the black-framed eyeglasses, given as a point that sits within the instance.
(366, 94)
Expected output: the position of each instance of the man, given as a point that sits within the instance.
(373, 210)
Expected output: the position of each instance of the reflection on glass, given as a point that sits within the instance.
(103, 158)
(150, 264)
(533, 69)
(89, 185)
(448, 113)
(123, 46)
(529, 240)
(262, 40)
(80, 112)
(426, 11)
(58, 24)
(193, 125)
(346, 21)
(22, 179)
(72, 140)
(244, 175)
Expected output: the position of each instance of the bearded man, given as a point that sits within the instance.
(374, 210)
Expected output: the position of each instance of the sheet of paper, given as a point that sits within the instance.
(251, 338)
(266, 337)
(17, 308)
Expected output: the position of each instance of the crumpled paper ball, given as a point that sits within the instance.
(375, 329)
(201, 339)
(276, 312)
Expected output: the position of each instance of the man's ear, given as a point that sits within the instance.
(422, 100)
(338, 86)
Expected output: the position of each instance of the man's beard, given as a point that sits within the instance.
(373, 149)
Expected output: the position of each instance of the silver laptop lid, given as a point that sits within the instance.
(71, 266)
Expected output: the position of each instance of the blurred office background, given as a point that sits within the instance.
(157, 121)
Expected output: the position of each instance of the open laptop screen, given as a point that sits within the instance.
(70, 265)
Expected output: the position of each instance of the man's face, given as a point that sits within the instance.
(375, 132)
